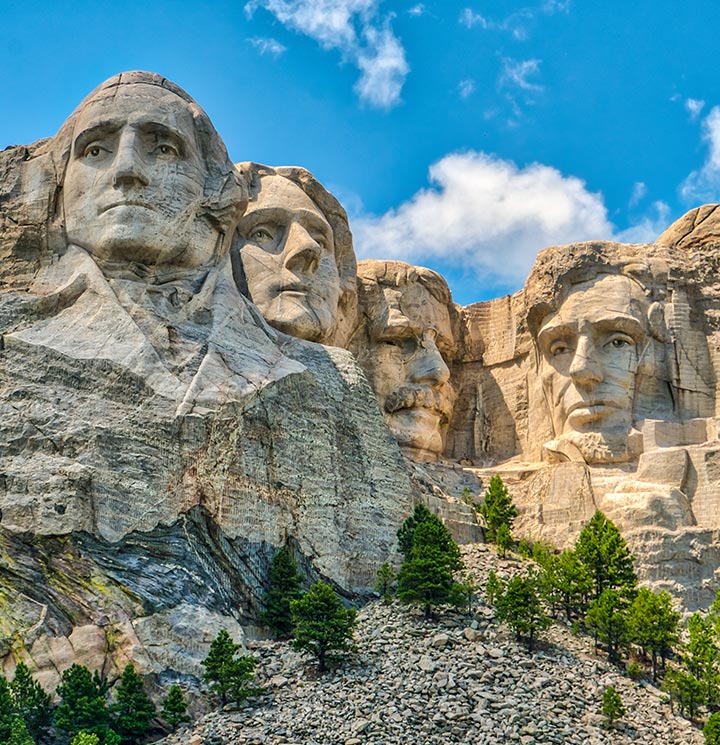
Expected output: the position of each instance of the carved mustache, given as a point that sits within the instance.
(421, 397)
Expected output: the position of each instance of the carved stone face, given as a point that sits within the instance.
(405, 363)
(590, 350)
(135, 180)
(289, 261)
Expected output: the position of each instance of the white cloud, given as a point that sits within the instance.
(515, 74)
(358, 31)
(694, 107)
(416, 10)
(267, 46)
(639, 192)
(703, 185)
(479, 208)
(469, 18)
(649, 227)
(466, 88)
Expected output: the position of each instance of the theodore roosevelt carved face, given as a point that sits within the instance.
(590, 350)
(405, 349)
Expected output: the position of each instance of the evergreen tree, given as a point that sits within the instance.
(464, 594)
(685, 690)
(519, 606)
(607, 617)
(565, 583)
(133, 710)
(7, 710)
(503, 539)
(174, 710)
(226, 673)
(612, 706)
(406, 533)
(497, 508)
(82, 704)
(494, 587)
(602, 549)
(31, 702)
(426, 576)
(701, 658)
(284, 585)
(19, 734)
(85, 738)
(323, 626)
(653, 625)
(711, 730)
(385, 582)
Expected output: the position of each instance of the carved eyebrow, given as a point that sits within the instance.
(548, 334)
(162, 130)
(626, 324)
(99, 129)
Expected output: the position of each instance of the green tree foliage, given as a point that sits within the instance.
(132, 711)
(493, 587)
(174, 709)
(85, 738)
(19, 733)
(30, 701)
(465, 593)
(7, 710)
(323, 626)
(503, 539)
(701, 658)
(284, 585)
(711, 730)
(82, 704)
(653, 625)
(226, 673)
(612, 706)
(685, 690)
(607, 617)
(602, 549)
(519, 606)
(385, 582)
(406, 534)
(497, 508)
(426, 575)
(565, 583)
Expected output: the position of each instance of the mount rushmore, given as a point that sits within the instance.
(196, 371)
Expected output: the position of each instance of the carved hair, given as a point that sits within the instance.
(225, 193)
(342, 237)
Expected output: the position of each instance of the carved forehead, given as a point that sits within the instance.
(280, 192)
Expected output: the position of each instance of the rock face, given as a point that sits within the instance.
(159, 441)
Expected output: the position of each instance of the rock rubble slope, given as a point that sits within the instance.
(454, 681)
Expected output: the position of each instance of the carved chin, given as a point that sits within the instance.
(593, 448)
(296, 317)
(419, 431)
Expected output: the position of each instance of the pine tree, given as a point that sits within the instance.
(31, 702)
(406, 533)
(607, 617)
(82, 705)
(85, 738)
(494, 587)
(602, 549)
(701, 658)
(503, 539)
(497, 508)
(226, 673)
(323, 626)
(684, 689)
(519, 606)
(284, 585)
(133, 710)
(612, 706)
(565, 583)
(7, 710)
(19, 734)
(711, 730)
(426, 576)
(174, 710)
(385, 582)
(653, 625)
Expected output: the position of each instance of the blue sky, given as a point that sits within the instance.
(463, 136)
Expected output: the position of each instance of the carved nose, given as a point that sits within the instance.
(584, 369)
(128, 166)
(428, 365)
(302, 251)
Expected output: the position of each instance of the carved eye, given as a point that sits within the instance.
(260, 235)
(620, 342)
(167, 150)
(559, 347)
(93, 151)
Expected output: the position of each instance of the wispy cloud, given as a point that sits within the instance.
(694, 107)
(516, 74)
(466, 88)
(477, 205)
(416, 10)
(267, 46)
(516, 23)
(703, 185)
(648, 227)
(639, 191)
(359, 31)
(469, 18)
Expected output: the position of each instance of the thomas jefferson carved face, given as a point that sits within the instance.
(135, 180)
(289, 261)
(409, 339)
(590, 350)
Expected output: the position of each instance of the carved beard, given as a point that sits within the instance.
(594, 448)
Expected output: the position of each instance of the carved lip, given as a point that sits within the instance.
(127, 203)
(295, 289)
(596, 405)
